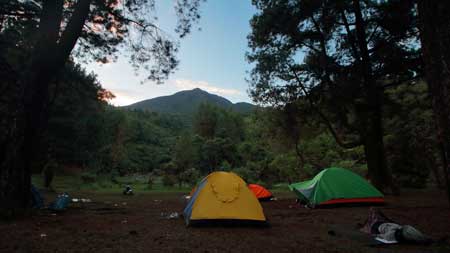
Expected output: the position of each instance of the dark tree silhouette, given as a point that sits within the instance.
(435, 38)
(97, 30)
(339, 56)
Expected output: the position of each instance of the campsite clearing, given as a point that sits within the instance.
(140, 223)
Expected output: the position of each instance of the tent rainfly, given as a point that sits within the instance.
(336, 186)
(260, 192)
(223, 196)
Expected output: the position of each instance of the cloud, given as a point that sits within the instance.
(124, 97)
(184, 84)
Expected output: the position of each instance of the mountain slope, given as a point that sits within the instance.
(187, 102)
(243, 107)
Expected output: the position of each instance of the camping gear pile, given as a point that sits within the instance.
(128, 190)
(82, 200)
(61, 202)
(37, 201)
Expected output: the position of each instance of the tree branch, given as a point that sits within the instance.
(373, 33)
(73, 29)
(399, 82)
(323, 117)
(350, 36)
(324, 51)
(140, 24)
(19, 14)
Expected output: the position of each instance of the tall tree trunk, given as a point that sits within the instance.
(379, 172)
(9, 171)
(16, 168)
(435, 38)
(431, 163)
(50, 53)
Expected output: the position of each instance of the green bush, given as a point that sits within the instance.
(190, 176)
(225, 166)
(285, 165)
(105, 184)
(243, 172)
(88, 178)
(308, 171)
(169, 180)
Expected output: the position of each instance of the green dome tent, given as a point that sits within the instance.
(335, 186)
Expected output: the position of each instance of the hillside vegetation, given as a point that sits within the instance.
(185, 104)
(266, 145)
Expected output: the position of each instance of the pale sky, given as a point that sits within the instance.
(212, 59)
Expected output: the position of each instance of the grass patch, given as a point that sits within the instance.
(281, 187)
(70, 183)
(105, 184)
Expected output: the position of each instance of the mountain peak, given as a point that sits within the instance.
(187, 102)
(193, 91)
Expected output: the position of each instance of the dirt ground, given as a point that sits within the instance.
(116, 223)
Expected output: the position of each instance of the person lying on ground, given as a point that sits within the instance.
(386, 230)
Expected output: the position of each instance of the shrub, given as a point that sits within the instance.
(169, 180)
(88, 177)
(190, 176)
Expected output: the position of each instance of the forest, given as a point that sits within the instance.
(357, 84)
(268, 145)
(297, 130)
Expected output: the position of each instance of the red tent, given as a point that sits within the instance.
(260, 192)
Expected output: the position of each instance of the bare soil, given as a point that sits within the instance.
(117, 223)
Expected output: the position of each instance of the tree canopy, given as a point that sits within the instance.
(339, 56)
(47, 34)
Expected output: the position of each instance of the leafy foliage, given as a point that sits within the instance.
(45, 35)
(337, 57)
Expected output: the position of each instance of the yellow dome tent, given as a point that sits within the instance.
(223, 196)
